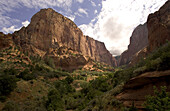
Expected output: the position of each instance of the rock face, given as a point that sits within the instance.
(158, 25)
(49, 29)
(137, 88)
(5, 41)
(138, 41)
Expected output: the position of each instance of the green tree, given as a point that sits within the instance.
(54, 102)
(7, 84)
(159, 102)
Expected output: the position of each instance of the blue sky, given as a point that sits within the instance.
(109, 21)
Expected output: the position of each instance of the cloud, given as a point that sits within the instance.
(95, 12)
(117, 20)
(115, 52)
(10, 29)
(80, 1)
(93, 3)
(26, 23)
(13, 28)
(82, 11)
(8, 6)
(71, 17)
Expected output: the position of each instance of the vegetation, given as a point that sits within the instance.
(7, 85)
(43, 87)
(159, 102)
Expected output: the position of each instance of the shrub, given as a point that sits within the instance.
(7, 84)
(26, 75)
(54, 102)
(165, 63)
(69, 79)
(49, 61)
(159, 102)
(10, 106)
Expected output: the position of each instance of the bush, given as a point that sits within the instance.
(63, 87)
(165, 63)
(69, 79)
(7, 84)
(10, 106)
(49, 61)
(26, 75)
(159, 102)
(54, 102)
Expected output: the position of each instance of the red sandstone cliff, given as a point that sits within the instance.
(49, 29)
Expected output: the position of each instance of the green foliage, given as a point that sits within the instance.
(26, 75)
(159, 102)
(158, 60)
(101, 84)
(63, 87)
(69, 79)
(10, 106)
(11, 71)
(7, 85)
(49, 61)
(54, 102)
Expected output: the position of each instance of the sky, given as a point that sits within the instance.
(108, 21)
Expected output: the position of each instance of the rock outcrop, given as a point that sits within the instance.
(137, 88)
(158, 25)
(49, 29)
(138, 41)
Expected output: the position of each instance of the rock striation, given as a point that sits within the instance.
(49, 30)
(138, 41)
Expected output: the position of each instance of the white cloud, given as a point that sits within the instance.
(10, 6)
(118, 19)
(26, 23)
(10, 29)
(93, 3)
(71, 18)
(82, 11)
(95, 12)
(80, 1)
(13, 28)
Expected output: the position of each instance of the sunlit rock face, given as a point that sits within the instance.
(49, 29)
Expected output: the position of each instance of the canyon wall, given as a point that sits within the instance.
(49, 29)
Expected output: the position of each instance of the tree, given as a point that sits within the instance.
(54, 102)
(7, 84)
(159, 102)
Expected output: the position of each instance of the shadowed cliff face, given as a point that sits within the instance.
(158, 25)
(138, 41)
(138, 87)
(49, 29)
(154, 33)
